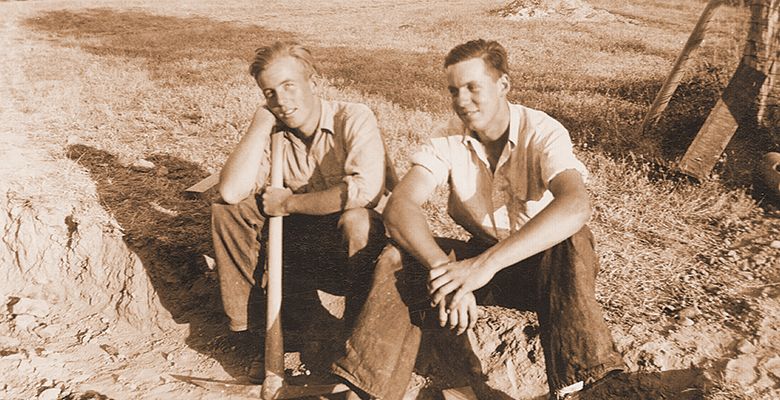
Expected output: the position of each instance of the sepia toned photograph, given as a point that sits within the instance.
(390, 200)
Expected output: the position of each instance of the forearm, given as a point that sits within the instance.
(323, 202)
(238, 177)
(561, 219)
(407, 225)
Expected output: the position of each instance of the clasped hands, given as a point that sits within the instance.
(451, 286)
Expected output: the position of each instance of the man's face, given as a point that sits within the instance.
(289, 92)
(476, 94)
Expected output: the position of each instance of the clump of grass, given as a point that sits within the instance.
(656, 239)
(155, 93)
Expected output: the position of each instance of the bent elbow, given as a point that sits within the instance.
(230, 196)
(584, 211)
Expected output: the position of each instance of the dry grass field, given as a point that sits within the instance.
(105, 83)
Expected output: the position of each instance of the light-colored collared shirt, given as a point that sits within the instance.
(346, 148)
(492, 206)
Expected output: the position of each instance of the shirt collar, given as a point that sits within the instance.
(470, 137)
(326, 116)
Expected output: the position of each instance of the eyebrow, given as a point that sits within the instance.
(282, 83)
(465, 84)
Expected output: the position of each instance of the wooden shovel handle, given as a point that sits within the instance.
(274, 344)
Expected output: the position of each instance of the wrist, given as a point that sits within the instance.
(288, 204)
(438, 261)
(483, 262)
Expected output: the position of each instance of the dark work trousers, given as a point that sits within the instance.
(558, 284)
(335, 253)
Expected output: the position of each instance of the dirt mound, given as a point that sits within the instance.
(61, 253)
(501, 359)
(569, 10)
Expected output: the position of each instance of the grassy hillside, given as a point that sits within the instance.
(135, 80)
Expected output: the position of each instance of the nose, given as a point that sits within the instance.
(462, 98)
(281, 99)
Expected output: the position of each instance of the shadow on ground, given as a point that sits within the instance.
(170, 232)
(689, 384)
(415, 81)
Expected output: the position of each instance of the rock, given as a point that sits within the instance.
(775, 244)
(142, 165)
(74, 140)
(69, 248)
(36, 308)
(25, 322)
(689, 312)
(685, 321)
(7, 342)
(745, 347)
(773, 366)
(47, 331)
(210, 262)
(111, 350)
(84, 336)
(50, 394)
(742, 370)
(162, 171)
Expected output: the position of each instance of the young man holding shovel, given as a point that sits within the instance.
(517, 188)
(334, 172)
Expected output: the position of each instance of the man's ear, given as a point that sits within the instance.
(314, 84)
(505, 83)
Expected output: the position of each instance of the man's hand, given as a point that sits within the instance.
(462, 317)
(458, 279)
(275, 201)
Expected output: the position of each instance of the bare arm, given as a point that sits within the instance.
(562, 218)
(364, 169)
(406, 221)
(407, 224)
(284, 201)
(238, 178)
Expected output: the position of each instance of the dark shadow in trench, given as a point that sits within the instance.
(170, 233)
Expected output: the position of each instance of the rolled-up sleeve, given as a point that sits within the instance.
(557, 154)
(364, 167)
(430, 158)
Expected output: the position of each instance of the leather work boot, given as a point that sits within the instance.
(256, 372)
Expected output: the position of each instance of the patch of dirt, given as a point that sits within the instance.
(567, 10)
(105, 294)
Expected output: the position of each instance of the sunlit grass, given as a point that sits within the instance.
(142, 82)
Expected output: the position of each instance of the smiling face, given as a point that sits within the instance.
(289, 92)
(479, 96)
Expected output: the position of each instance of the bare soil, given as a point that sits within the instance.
(107, 292)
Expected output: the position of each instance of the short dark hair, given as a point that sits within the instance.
(491, 52)
(264, 56)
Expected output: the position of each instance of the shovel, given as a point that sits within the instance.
(274, 385)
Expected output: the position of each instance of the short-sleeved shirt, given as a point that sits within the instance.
(490, 205)
(346, 148)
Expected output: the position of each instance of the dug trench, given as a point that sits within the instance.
(108, 295)
(123, 282)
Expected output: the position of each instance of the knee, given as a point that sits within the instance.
(355, 225)
(390, 260)
(222, 213)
